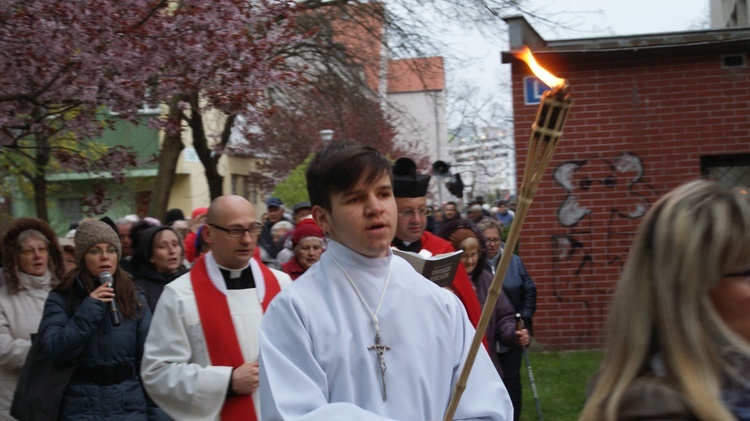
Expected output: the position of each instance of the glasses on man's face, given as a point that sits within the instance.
(96, 251)
(28, 251)
(492, 240)
(254, 230)
(410, 213)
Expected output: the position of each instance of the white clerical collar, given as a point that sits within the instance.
(408, 243)
(234, 273)
(353, 261)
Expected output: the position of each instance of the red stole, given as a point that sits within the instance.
(218, 329)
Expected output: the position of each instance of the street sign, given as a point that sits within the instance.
(533, 88)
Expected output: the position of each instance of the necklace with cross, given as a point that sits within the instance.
(380, 349)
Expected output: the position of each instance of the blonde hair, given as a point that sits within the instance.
(687, 240)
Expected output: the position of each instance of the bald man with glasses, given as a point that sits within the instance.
(410, 190)
(200, 357)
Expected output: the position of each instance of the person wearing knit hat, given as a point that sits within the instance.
(308, 244)
(191, 238)
(32, 266)
(501, 330)
(102, 325)
(410, 190)
(90, 233)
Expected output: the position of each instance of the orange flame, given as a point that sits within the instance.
(548, 78)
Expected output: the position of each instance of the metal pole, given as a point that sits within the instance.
(526, 359)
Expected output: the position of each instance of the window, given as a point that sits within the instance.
(70, 210)
(243, 185)
(728, 170)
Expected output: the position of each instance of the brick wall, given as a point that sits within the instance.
(638, 128)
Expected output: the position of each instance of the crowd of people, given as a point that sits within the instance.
(304, 312)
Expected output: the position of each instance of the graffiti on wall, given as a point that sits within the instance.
(602, 198)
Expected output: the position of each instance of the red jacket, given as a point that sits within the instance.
(292, 268)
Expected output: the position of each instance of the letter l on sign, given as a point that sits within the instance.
(533, 88)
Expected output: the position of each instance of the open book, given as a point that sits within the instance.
(440, 268)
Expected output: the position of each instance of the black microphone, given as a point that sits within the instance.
(114, 314)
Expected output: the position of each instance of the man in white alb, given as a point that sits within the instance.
(361, 335)
(200, 357)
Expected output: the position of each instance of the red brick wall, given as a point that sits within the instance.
(637, 129)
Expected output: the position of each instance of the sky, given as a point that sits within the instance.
(480, 53)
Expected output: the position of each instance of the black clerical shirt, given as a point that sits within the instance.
(243, 281)
(415, 247)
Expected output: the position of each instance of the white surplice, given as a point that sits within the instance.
(176, 368)
(314, 361)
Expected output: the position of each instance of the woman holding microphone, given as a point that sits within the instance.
(96, 317)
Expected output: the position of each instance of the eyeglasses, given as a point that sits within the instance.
(254, 230)
(744, 274)
(490, 240)
(410, 213)
(95, 251)
(31, 250)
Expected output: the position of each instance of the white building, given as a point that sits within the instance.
(729, 14)
(486, 162)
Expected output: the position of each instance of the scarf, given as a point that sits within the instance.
(38, 286)
(218, 328)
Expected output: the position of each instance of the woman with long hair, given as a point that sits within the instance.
(32, 266)
(678, 339)
(79, 324)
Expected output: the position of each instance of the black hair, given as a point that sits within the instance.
(339, 167)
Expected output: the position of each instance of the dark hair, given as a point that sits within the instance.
(135, 234)
(339, 167)
(447, 229)
(124, 289)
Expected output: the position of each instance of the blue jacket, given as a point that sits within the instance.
(88, 335)
(517, 285)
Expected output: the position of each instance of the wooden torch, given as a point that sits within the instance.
(545, 133)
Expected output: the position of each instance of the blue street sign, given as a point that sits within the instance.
(533, 88)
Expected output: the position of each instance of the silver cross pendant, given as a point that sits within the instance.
(380, 349)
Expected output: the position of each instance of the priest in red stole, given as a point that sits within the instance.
(200, 356)
(410, 190)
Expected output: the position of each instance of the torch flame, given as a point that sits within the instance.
(548, 78)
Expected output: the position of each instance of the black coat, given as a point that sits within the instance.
(89, 336)
(152, 283)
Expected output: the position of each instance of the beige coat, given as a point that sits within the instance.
(20, 313)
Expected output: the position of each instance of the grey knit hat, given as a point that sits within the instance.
(91, 233)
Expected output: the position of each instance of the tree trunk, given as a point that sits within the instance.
(168, 158)
(41, 160)
(40, 195)
(208, 158)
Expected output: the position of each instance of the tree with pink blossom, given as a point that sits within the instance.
(65, 65)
